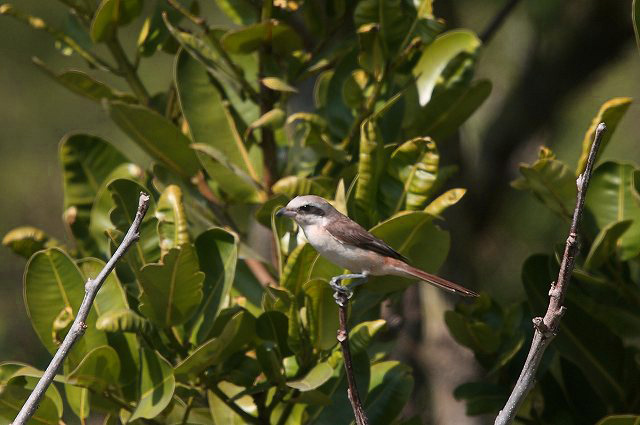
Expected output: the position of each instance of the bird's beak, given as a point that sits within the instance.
(284, 212)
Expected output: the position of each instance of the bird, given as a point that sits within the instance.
(350, 246)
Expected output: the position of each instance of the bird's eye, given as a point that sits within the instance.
(305, 208)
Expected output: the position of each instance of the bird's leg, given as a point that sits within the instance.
(342, 292)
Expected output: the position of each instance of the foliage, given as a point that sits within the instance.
(592, 369)
(185, 330)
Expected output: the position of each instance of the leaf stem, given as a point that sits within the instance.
(79, 324)
(127, 70)
(222, 396)
(546, 328)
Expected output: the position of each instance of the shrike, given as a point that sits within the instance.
(347, 244)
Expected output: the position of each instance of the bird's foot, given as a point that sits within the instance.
(342, 294)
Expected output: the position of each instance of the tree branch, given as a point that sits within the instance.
(497, 21)
(342, 299)
(79, 326)
(546, 328)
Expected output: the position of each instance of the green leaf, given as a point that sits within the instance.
(248, 39)
(172, 220)
(53, 283)
(270, 362)
(156, 135)
(389, 390)
(444, 201)
(297, 268)
(415, 165)
(611, 112)
(449, 109)
(172, 288)
(87, 161)
(604, 245)
(111, 14)
(240, 330)
(593, 348)
(221, 413)
(26, 241)
(620, 419)
(415, 236)
(293, 186)
(275, 118)
(611, 200)
(154, 34)
(218, 253)
(475, 334)
(314, 378)
(369, 169)
(552, 183)
(123, 320)
(481, 397)
(635, 16)
(84, 85)
(437, 55)
(322, 312)
(211, 124)
(240, 12)
(157, 385)
(99, 369)
(277, 84)
(79, 400)
(394, 19)
(273, 326)
(362, 335)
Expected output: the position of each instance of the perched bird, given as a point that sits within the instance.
(347, 244)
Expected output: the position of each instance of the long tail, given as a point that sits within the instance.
(438, 281)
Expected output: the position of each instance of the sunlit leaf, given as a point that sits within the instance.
(369, 169)
(444, 201)
(111, 14)
(389, 390)
(437, 55)
(275, 83)
(172, 288)
(322, 312)
(293, 186)
(248, 39)
(172, 220)
(611, 112)
(313, 379)
(157, 385)
(26, 240)
(620, 419)
(99, 369)
(604, 245)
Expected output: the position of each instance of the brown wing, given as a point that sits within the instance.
(349, 232)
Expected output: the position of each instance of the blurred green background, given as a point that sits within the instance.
(552, 65)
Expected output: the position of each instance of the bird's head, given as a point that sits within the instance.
(307, 210)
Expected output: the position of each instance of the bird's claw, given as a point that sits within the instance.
(341, 293)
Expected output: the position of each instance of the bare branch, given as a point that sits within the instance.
(546, 328)
(342, 299)
(497, 21)
(78, 327)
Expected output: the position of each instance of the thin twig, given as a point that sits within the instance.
(233, 406)
(343, 338)
(497, 21)
(546, 328)
(128, 70)
(79, 326)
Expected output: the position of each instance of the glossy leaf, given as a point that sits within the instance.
(313, 379)
(157, 385)
(99, 369)
(239, 12)
(297, 268)
(415, 165)
(475, 334)
(221, 413)
(239, 331)
(111, 14)
(156, 135)
(172, 219)
(611, 112)
(322, 312)
(248, 39)
(123, 320)
(437, 55)
(84, 85)
(362, 335)
(211, 124)
(444, 201)
(611, 200)
(217, 254)
(26, 241)
(604, 245)
(389, 390)
(394, 19)
(172, 288)
(53, 283)
(551, 181)
(272, 326)
(79, 400)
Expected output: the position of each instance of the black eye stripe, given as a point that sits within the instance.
(311, 209)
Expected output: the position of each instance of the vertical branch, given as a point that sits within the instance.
(546, 328)
(79, 326)
(342, 300)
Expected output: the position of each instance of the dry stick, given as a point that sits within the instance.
(79, 326)
(546, 328)
(343, 338)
